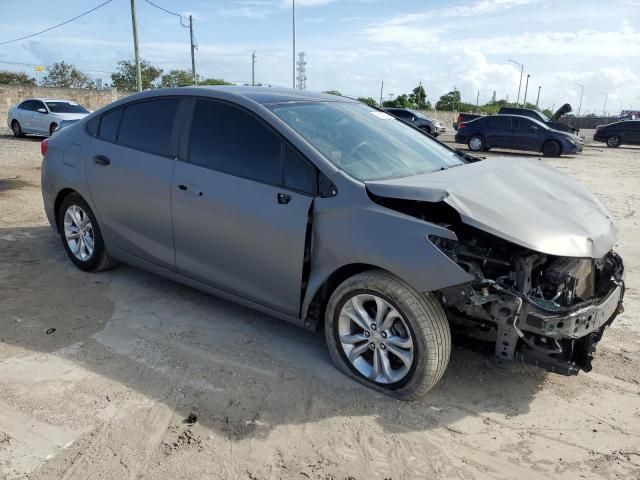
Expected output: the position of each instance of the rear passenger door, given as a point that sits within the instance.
(499, 132)
(240, 206)
(632, 131)
(129, 169)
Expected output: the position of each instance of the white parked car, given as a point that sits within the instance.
(41, 116)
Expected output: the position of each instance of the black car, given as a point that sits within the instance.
(615, 134)
(541, 117)
(418, 120)
(517, 133)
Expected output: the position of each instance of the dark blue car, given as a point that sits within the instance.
(518, 133)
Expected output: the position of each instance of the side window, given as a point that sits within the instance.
(37, 105)
(109, 124)
(499, 122)
(25, 105)
(521, 123)
(92, 126)
(147, 126)
(299, 174)
(228, 139)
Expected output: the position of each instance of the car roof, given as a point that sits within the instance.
(271, 95)
(50, 100)
(510, 115)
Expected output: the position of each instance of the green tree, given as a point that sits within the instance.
(213, 81)
(333, 92)
(176, 78)
(401, 101)
(16, 78)
(125, 77)
(65, 75)
(368, 101)
(450, 101)
(418, 97)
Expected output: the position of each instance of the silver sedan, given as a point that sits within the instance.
(41, 116)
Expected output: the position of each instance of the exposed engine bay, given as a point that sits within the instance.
(546, 310)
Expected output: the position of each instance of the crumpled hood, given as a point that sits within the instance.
(520, 200)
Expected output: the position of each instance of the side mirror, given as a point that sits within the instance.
(42, 110)
(413, 119)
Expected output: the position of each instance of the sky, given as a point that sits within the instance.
(353, 45)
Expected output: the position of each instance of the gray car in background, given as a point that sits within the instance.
(41, 116)
(419, 120)
(335, 215)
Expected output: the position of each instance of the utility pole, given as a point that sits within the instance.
(193, 55)
(294, 41)
(134, 22)
(381, 87)
(302, 72)
(524, 102)
(519, 84)
(478, 99)
(581, 92)
(538, 99)
(253, 69)
(606, 96)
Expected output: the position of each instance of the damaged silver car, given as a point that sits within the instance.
(334, 215)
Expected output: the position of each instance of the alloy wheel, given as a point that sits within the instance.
(475, 144)
(78, 233)
(375, 339)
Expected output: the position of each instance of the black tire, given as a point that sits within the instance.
(99, 259)
(551, 148)
(422, 314)
(476, 143)
(425, 129)
(52, 127)
(614, 141)
(17, 129)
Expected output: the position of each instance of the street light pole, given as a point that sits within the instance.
(253, 69)
(524, 102)
(519, 84)
(538, 99)
(136, 51)
(381, 87)
(581, 93)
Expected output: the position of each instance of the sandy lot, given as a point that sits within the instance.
(109, 392)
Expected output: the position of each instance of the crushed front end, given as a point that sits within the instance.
(546, 310)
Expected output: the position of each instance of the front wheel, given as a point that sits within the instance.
(551, 148)
(425, 129)
(81, 235)
(52, 128)
(613, 141)
(386, 335)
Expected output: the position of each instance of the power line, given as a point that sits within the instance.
(21, 64)
(59, 25)
(181, 17)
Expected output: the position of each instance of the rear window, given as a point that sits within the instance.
(147, 126)
(66, 107)
(109, 124)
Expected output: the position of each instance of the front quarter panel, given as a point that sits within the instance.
(363, 232)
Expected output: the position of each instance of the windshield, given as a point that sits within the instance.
(66, 107)
(366, 143)
(542, 116)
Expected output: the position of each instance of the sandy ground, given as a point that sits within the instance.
(109, 392)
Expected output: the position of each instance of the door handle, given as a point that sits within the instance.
(101, 160)
(283, 198)
(182, 187)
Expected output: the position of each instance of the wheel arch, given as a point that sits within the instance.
(62, 194)
(316, 300)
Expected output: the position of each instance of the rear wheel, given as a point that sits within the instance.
(551, 148)
(614, 141)
(17, 129)
(81, 235)
(384, 334)
(476, 143)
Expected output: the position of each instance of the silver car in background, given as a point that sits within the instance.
(41, 116)
(337, 216)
